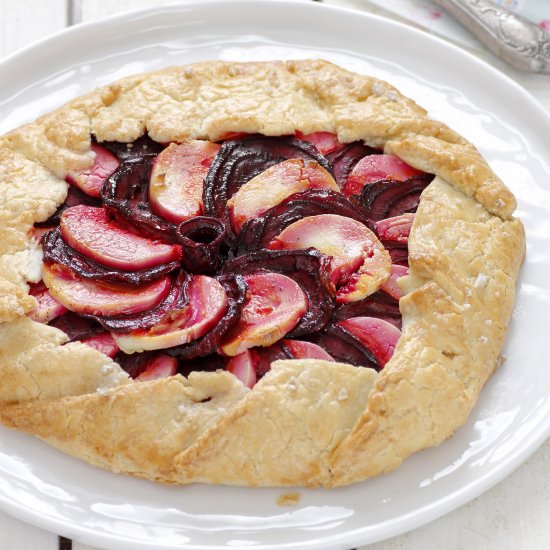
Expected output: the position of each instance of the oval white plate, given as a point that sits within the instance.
(512, 418)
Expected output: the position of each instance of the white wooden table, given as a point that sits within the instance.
(514, 515)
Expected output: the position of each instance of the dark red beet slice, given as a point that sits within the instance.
(380, 305)
(145, 363)
(240, 160)
(309, 268)
(57, 251)
(208, 363)
(345, 347)
(259, 232)
(125, 195)
(344, 160)
(142, 147)
(235, 288)
(74, 197)
(388, 198)
(76, 327)
(176, 299)
(203, 240)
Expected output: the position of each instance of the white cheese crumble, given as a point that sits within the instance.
(343, 394)
(481, 281)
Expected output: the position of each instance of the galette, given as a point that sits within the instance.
(275, 274)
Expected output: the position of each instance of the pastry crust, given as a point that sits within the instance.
(329, 424)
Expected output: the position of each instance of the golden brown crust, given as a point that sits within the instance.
(326, 429)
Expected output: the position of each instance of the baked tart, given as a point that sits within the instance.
(274, 274)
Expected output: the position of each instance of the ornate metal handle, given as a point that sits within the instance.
(513, 38)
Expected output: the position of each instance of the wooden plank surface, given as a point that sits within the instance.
(511, 516)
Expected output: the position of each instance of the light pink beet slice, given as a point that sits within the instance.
(161, 366)
(274, 306)
(359, 263)
(306, 350)
(47, 307)
(377, 167)
(242, 366)
(275, 184)
(90, 231)
(90, 180)
(324, 141)
(379, 336)
(108, 299)
(104, 343)
(207, 305)
(396, 229)
(175, 189)
(390, 286)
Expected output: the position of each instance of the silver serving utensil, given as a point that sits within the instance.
(513, 38)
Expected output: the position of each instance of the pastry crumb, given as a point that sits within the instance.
(289, 499)
(343, 394)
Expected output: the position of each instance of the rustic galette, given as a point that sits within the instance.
(276, 273)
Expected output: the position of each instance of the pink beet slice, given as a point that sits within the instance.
(390, 286)
(90, 180)
(90, 231)
(243, 367)
(104, 299)
(47, 307)
(175, 188)
(377, 167)
(324, 141)
(206, 306)
(359, 263)
(275, 184)
(379, 336)
(104, 343)
(395, 229)
(306, 350)
(161, 366)
(274, 306)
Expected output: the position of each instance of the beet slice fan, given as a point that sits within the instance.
(235, 289)
(240, 160)
(176, 299)
(125, 195)
(57, 251)
(387, 198)
(259, 232)
(344, 160)
(309, 268)
(203, 240)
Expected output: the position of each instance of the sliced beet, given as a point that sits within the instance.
(345, 347)
(146, 364)
(142, 147)
(380, 305)
(344, 160)
(91, 232)
(74, 198)
(76, 327)
(387, 198)
(259, 232)
(239, 160)
(57, 251)
(102, 342)
(208, 363)
(125, 195)
(204, 242)
(176, 299)
(235, 289)
(309, 268)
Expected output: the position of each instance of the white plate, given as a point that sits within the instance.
(512, 418)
